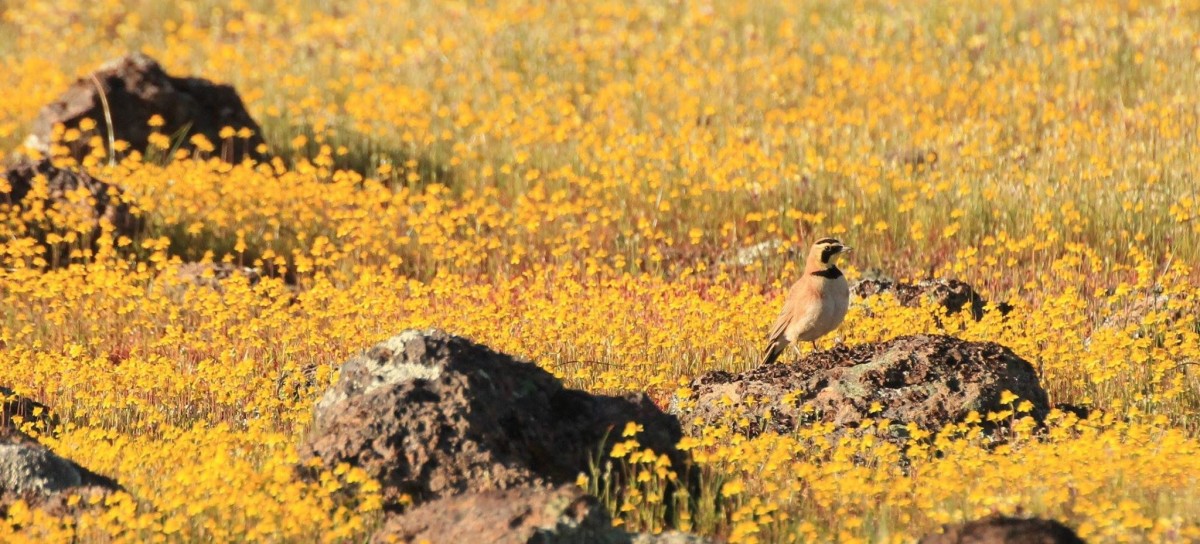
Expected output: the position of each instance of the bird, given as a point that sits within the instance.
(815, 305)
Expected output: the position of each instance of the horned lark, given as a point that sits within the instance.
(816, 303)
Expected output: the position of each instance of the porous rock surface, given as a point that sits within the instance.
(559, 515)
(137, 88)
(430, 415)
(1005, 530)
(929, 380)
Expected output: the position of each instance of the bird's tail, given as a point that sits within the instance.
(772, 352)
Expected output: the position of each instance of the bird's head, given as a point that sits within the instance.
(824, 252)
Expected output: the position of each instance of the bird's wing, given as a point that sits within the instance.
(776, 339)
(772, 353)
(781, 323)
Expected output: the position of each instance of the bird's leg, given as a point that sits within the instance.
(814, 342)
(796, 347)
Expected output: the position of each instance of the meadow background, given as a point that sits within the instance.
(567, 182)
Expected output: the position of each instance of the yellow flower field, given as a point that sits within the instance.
(567, 182)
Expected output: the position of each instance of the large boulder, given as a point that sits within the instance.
(951, 294)
(1005, 530)
(74, 198)
(137, 88)
(559, 515)
(32, 473)
(430, 415)
(927, 380)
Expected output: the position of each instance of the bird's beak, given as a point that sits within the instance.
(846, 249)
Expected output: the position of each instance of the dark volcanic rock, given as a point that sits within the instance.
(927, 380)
(431, 415)
(31, 472)
(1005, 530)
(28, 410)
(101, 202)
(953, 295)
(560, 515)
(136, 88)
